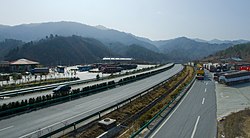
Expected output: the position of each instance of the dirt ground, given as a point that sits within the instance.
(235, 125)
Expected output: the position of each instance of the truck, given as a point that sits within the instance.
(231, 78)
(200, 73)
(40, 70)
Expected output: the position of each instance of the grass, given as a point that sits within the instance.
(33, 84)
(132, 108)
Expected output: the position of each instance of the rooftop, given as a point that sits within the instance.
(24, 62)
(4, 62)
(123, 59)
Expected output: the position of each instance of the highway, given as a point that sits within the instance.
(36, 123)
(21, 97)
(194, 116)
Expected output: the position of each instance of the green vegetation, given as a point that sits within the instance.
(126, 112)
(185, 49)
(34, 83)
(240, 51)
(67, 50)
(187, 75)
(15, 107)
(7, 45)
(78, 50)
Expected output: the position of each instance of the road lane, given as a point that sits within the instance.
(194, 117)
(62, 114)
(45, 92)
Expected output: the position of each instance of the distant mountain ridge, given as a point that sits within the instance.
(184, 49)
(34, 32)
(217, 41)
(181, 49)
(77, 50)
(61, 50)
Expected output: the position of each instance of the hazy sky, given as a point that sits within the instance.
(154, 19)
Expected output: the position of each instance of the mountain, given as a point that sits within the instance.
(55, 50)
(138, 52)
(234, 42)
(61, 50)
(217, 41)
(33, 32)
(237, 51)
(180, 49)
(7, 45)
(184, 49)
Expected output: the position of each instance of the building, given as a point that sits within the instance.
(118, 60)
(23, 65)
(4, 66)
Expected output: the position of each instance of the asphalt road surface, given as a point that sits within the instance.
(194, 116)
(37, 123)
(45, 92)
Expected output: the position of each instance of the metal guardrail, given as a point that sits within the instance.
(177, 98)
(97, 115)
(41, 88)
(101, 113)
(74, 96)
(58, 128)
(51, 86)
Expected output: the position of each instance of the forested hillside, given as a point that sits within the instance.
(239, 51)
(55, 50)
(7, 45)
(61, 50)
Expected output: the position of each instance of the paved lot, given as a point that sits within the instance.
(232, 98)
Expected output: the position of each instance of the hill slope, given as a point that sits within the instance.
(7, 45)
(180, 49)
(137, 51)
(78, 50)
(241, 51)
(61, 50)
(34, 32)
(184, 49)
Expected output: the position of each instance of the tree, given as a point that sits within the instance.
(97, 76)
(15, 77)
(51, 36)
(35, 77)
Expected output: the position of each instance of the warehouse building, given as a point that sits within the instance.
(23, 65)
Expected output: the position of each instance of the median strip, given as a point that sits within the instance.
(136, 108)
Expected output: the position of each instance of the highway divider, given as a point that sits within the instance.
(48, 100)
(170, 106)
(96, 116)
(52, 86)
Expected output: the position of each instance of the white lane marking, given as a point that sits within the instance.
(203, 100)
(71, 118)
(6, 128)
(205, 89)
(195, 127)
(206, 83)
(158, 129)
(62, 121)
